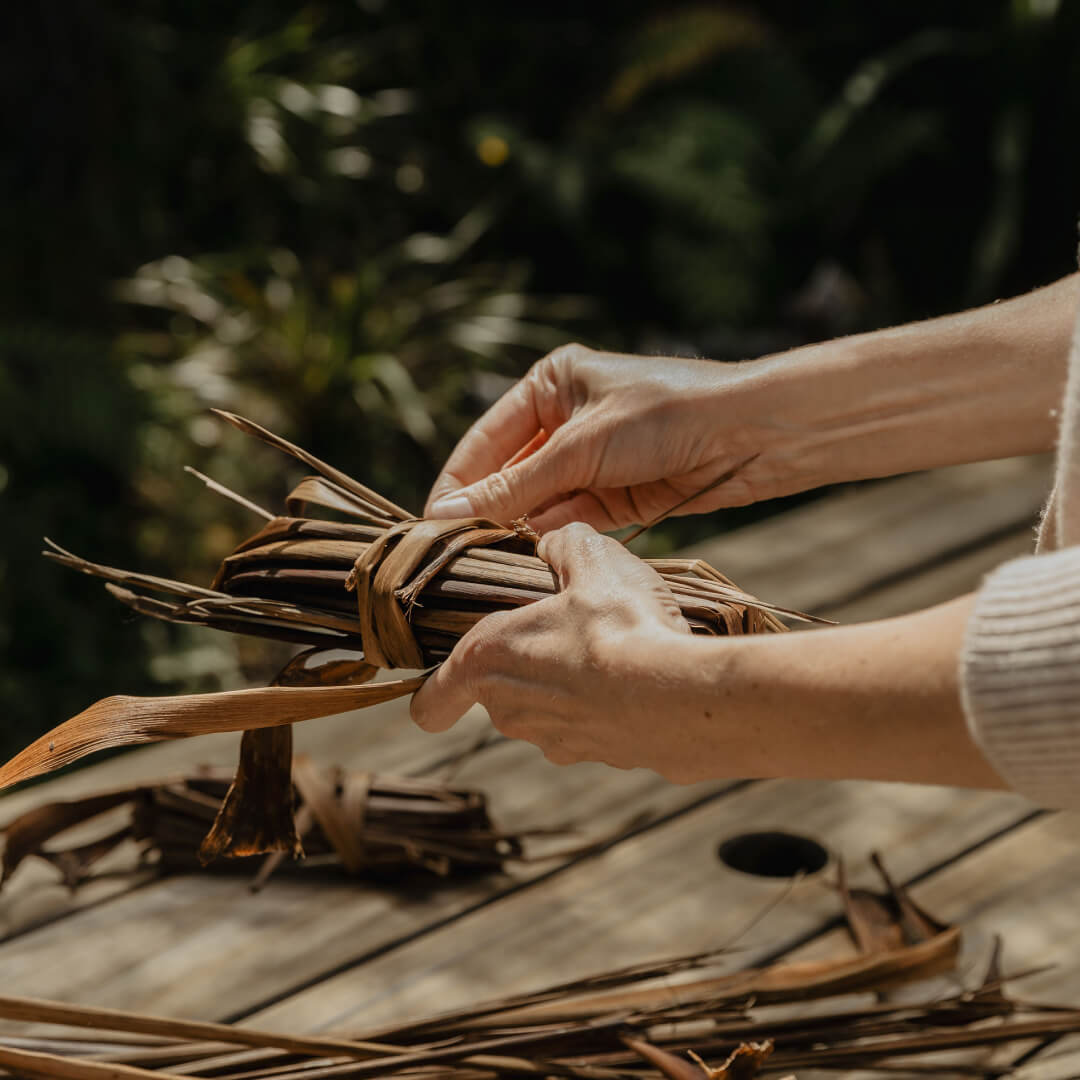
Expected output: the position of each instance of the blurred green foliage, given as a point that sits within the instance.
(357, 222)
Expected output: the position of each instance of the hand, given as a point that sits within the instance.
(574, 673)
(630, 437)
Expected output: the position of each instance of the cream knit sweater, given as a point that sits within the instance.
(1020, 665)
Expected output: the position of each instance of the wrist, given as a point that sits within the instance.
(783, 410)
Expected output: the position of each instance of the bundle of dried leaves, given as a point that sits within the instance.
(657, 1021)
(394, 590)
(353, 821)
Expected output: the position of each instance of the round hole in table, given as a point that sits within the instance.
(773, 854)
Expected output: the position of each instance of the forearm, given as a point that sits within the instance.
(982, 384)
(878, 701)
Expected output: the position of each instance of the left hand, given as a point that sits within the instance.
(576, 673)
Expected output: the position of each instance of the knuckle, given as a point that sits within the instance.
(473, 655)
(496, 490)
(493, 630)
(585, 607)
(485, 647)
(555, 377)
(578, 532)
(565, 355)
(572, 538)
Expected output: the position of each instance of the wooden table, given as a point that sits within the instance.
(313, 956)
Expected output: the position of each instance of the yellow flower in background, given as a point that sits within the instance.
(492, 150)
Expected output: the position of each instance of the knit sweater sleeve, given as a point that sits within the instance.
(1020, 675)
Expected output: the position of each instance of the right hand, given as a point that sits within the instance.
(629, 438)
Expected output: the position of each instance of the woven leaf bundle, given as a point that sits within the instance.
(666, 1020)
(355, 822)
(395, 590)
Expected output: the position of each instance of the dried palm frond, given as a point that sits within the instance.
(660, 1021)
(353, 821)
(394, 590)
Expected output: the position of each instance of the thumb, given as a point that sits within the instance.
(586, 559)
(510, 492)
(589, 562)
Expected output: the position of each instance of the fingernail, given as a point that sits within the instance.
(453, 506)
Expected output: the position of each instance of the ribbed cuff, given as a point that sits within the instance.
(1020, 675)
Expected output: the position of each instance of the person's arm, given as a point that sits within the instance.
(879, 701)
(982, 384)
(631, 436)
(608, 671)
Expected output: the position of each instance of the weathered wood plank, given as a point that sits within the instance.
(661, 893)
(1059, 1062)
(933, 585)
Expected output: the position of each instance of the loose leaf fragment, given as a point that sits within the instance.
(743, 1063)
(335, 476)
(32, 1063)
(671, 1065)
(300, 671)
(38, 1011)
(917, 924)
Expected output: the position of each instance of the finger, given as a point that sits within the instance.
(584, 507)
(587, 562)
(583, 558)
(638, 504)
(556, 469)
(446, 696)
(532, 406)
(607, 508)
(507, 426)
